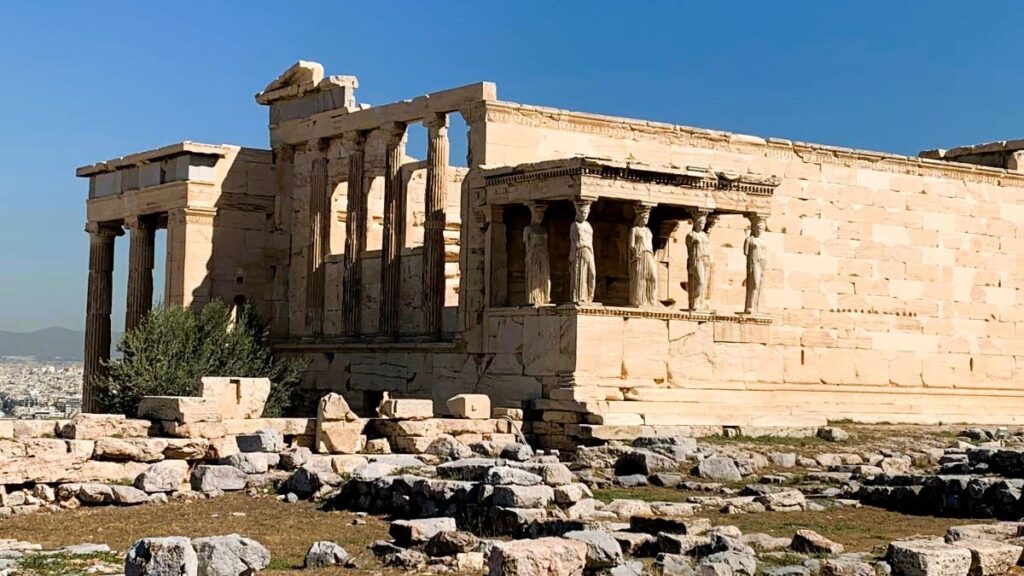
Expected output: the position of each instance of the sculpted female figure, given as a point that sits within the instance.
(757, 260)
(582, 271)
(538, 271)
(643, 277)
(698, 262)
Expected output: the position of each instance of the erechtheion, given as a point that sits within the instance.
(624, 276)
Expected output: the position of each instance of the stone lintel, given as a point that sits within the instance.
(186, 147)
(333, 123)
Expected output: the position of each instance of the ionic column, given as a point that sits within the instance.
(355, 234)
(140, 270)
(319, 241)
(394, 232)
(98, 304)
(433, 227)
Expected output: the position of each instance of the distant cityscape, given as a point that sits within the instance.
(30, 388)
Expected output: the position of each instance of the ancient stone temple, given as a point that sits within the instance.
(612, 276)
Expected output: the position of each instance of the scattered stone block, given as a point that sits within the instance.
(173, 556)
(419, 531)
(186, 448)
(656, 525)
(833, 434)
(991, 558)
(210, 478)
(406, 409)
(471, 406)
(603, 551)
(333, 406)
(506, 475)
(127, 495)
(523, 496)
(242, 398)
(810, 542)
(451, 543)
(928, 558)
(182, 409)
(540, 557)
(165, 476)
(340, 437)
(266, 440)
(719, 468)
(90, 427)
(325, 553)
(206, 430)
(230, 555)
(138, 449)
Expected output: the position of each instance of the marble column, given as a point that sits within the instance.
(142, 234)
(98, 304)
(435, 202)
(394, 232)
(355, 234)
(319, 240)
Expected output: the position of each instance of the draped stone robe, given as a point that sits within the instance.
(582, 269)
(538, 267)
(643, 278)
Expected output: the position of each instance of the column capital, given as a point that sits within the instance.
(394, 132)
(284, 152)
(193, 215)
(104, 229)
(139, 222)
(436, 121)
(318, 145)
(354, 141)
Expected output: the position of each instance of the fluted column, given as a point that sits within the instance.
(142, 232)
(394, 232)
(319, 241)
(433, 227)
(98, 303)
(355, 234)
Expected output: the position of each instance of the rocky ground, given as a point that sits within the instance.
(851, 501)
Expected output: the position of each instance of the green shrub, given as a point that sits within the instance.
(174, 347)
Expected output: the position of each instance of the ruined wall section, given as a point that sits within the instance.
(888, 275)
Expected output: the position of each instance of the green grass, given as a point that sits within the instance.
(66, 564)
(646, 493)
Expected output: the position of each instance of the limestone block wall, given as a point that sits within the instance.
(894, 288)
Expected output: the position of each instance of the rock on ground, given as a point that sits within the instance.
(230, 555)
(173, 556)
(325, 553)
(540, 557)
(928, 558)
(165, 476)
(719, 468)
(409, 532)
(603, 551)
(810, 542)
(991, 558)
(208, 478)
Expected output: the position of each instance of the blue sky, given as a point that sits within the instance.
(86, 81)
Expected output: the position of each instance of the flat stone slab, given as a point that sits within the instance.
(928, 558)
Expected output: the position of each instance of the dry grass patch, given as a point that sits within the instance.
(286, 529)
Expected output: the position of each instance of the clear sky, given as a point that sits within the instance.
(88, 81)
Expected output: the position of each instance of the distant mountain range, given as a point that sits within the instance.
(48, 344)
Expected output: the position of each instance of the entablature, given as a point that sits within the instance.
(594, 178)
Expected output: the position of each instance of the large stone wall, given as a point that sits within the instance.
(894, 283)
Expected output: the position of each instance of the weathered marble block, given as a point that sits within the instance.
(472, 406)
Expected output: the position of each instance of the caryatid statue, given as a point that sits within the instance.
(538, 267)
(757, 260)
(643, 268)
(582, 270)
(698, 262)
